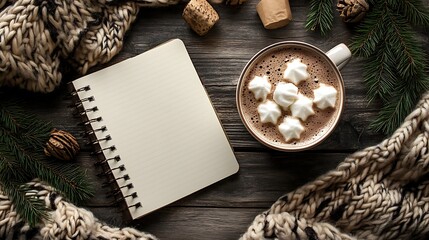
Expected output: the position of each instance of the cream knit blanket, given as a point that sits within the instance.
(65, 221)
(39, 39)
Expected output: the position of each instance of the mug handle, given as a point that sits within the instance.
(340, 55)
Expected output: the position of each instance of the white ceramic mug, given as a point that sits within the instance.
(335, 59)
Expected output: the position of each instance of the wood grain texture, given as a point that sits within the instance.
(224, 210)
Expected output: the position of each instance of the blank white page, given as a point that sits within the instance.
(162, 124)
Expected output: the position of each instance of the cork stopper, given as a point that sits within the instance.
(274, 13)
(200, 16)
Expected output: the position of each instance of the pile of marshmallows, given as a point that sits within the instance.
(287, 96)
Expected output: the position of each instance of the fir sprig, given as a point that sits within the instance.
(395, 70)
(414, 10)
(320, 16)
(22, 137)
(29, 207)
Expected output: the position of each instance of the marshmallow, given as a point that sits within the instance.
(260, 87)
(269, 112)
(325, 96)
(285, 94)
(296, 71)
(302, 108)
(291, 128)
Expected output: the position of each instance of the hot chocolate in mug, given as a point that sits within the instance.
(270, 64)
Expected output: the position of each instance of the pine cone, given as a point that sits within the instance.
(61, 145)
(352, 11)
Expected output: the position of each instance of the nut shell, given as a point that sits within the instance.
(61, 145)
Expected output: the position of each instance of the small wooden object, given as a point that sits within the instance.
(61, 145)
(274, 13)
(200, 15)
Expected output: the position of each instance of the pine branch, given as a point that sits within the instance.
(395, 70)
(9, 120)
(30, 208)
(320, 16)
(9, 166)
(394, 112)
(379, 75)
(22, 137)
(27, 127)
(69, 180)
(35, 133)
(409, 54)
(369, 34)
(415, 11)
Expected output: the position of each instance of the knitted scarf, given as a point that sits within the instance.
(41, 38)
(65, 221)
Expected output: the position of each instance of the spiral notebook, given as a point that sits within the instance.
(154, 128)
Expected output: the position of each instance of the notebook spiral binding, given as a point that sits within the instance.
(99, 148)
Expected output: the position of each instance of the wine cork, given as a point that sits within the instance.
(274, 13)
(200, 16)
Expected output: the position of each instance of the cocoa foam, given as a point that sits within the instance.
(273, 63)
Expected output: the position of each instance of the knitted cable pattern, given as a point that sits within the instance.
(65, 221)
(41, 38)
(381, 192)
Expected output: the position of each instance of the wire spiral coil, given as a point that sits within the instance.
(102, 148)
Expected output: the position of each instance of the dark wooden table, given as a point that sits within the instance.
(224, 210)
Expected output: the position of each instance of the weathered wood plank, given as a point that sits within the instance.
(199, 223)
(188, 223)
(263, 177)
(224, 210)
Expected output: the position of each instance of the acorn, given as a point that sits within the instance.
(61, 145)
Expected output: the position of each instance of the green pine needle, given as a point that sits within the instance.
(392, 114)
(35, 134)
(395, 70)
(69, 180)
(379, 75)
(402, 102)
(415, 11)
(410, 55)
(29, 207)
(8, 119)
(320, 16)
(369, 34)
(9, 165)
(22, 138)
